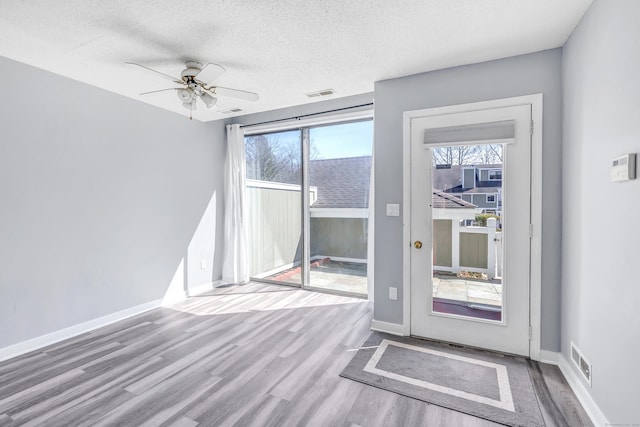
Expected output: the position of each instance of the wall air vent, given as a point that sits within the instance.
(583, 365)
(231, 111)
(324, 92)
(575, 356)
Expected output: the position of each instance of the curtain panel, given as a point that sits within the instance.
(235, 267)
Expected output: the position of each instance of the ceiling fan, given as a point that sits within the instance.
(196, 82)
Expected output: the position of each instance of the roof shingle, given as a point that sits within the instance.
(342, 183)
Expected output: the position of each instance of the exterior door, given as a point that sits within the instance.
(470, 228)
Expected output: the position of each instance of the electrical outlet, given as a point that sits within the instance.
(203, 264)
(393, 294)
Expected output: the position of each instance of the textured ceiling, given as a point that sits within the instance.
(280, 49)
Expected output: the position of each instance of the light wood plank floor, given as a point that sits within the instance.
(252, 355)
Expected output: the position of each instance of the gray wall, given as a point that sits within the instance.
(468, 178)
(521, 75)
(600, 285)
(339, 237)
(101, 199)
(480, 200)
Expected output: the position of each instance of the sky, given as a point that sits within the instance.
(345, 140)
(335, 141)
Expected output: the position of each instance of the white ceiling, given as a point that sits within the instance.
(280, 49)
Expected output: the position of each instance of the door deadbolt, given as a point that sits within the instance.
(417, 244)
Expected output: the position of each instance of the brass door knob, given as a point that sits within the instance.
(417, 244)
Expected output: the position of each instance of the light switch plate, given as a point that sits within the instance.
(393, 209)
(393, 293)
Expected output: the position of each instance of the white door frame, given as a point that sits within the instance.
(536, 205)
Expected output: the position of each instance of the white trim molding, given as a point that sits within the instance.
(535, 292)
(203, 289)
(389, 328)
(75, 330)
(549, 357)
(339, 212)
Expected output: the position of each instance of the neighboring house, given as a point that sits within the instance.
(444, 206)
(342, 183)
(480, 185)
(339, 217)
(458, 248)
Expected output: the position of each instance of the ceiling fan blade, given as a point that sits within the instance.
(210, 72)
(235, 93)
(161, 90)
(166, 76)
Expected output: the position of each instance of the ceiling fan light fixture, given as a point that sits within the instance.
(208, 100)
(191, 106)
(185, 95)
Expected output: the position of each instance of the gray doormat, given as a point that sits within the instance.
(488, 385)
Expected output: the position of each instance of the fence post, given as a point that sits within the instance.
(491, 249)
(455, 246)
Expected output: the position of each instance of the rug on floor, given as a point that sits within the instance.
(488, 385)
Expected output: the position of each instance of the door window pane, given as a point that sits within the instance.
(467, 208)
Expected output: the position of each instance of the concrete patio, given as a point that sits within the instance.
(468, 290)
(331, 275)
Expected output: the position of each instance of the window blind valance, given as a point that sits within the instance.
(490, 131)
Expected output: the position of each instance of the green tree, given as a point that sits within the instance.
(481, 219)
(270, 159)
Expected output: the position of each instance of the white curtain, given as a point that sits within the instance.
(235, 267)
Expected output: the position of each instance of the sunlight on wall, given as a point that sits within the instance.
(176, 290)
(196, 270)
(201, 251)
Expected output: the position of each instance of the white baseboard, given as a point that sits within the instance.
(389, 328)
(583, 395)
(177, 297)
(70, 332)
(550, 357)
(204, 288)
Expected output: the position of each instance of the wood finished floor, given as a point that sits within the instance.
(253, 355)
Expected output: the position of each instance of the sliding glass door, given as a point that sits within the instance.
(308, 200)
